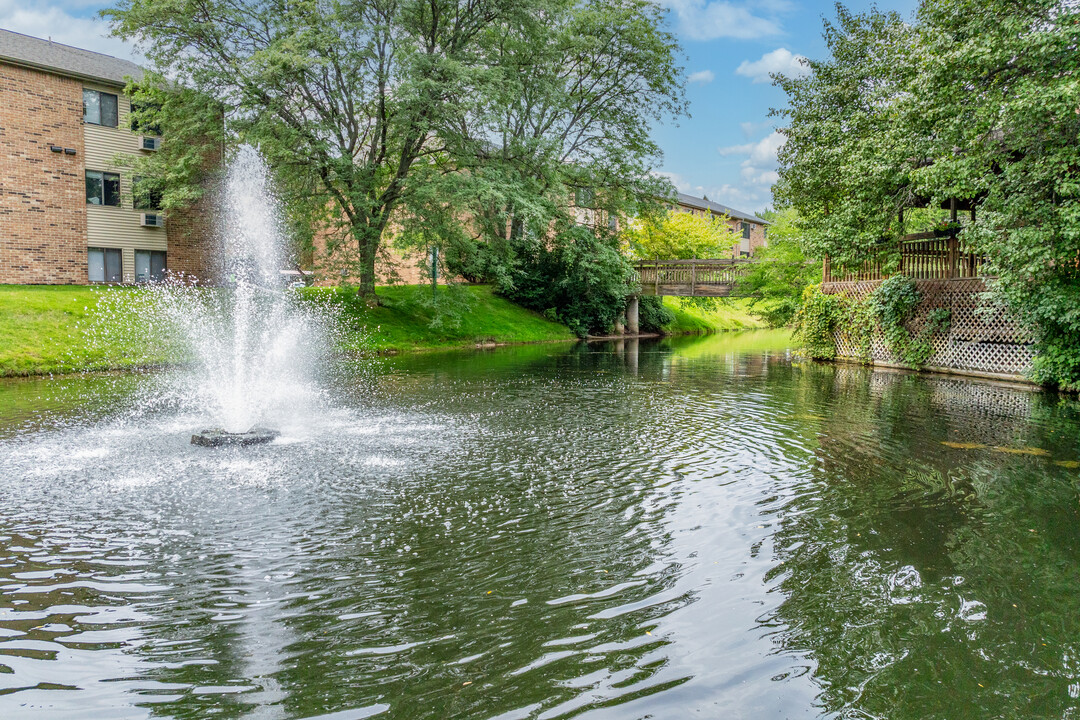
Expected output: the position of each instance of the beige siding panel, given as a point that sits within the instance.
(104, 143)
(117, 227)
(110, 227)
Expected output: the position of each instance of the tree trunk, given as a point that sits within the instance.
(367, 240)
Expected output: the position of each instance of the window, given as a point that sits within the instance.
(102, 188)
(149, 265)
(105, 265)
(745, 230)
(99, 108)
(146, 194)
(583, 197)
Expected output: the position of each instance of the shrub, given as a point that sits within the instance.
(816, 320)
(579, 278)
(894, 302)
(1057, 362)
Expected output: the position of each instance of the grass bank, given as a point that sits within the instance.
(721, 315)
(56, 329)
(471, 315)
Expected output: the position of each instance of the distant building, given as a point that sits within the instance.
(751, 226)
(68, 215)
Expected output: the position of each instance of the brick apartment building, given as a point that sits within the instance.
(750, 226)
(396, 266)
(68, 215)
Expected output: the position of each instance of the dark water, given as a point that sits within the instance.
(700, 528)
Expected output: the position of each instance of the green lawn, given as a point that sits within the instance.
(724, 314)
(404, 319)
(49, 329)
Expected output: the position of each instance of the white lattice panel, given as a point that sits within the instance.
(981, 337)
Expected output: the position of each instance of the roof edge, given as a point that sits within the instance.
(703, 204)
(53, 70)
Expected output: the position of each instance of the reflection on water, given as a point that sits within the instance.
(618, 530)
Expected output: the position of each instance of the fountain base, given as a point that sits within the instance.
(220, 438)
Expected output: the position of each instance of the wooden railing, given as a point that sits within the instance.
(690, 278)
(921, 256)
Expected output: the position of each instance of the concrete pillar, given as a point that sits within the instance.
(619, 329)
(632, 315)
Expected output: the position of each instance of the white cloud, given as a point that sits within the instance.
(750, 129)
(761, 152)
(758, 176)
(758, 172)
(704, 20)
(681, 184)
(741, 198)
(781, 61)
(54, 20)
(701, 76)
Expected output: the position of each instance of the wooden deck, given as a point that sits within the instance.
(691, 278)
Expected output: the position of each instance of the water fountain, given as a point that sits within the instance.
(248, 348)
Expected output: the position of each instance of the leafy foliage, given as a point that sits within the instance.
(680, 236)
(653, 316)
(975, 100)
(893, 303)
(581, 279)
(887, 310)
(815, 322)
(776, 284)
(183, 167)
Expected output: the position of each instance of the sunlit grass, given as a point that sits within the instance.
(57, 328)
(722, 314)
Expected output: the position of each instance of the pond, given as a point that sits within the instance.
(696, 527)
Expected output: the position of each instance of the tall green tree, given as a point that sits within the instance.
(680, 236)
(429, 114)
(344, 99)
(975, 100)
(845, 163)
(564, 140)
(998, 116)
(777, 281)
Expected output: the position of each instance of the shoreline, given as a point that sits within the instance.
(380, 353)
(51, 330)
(1003, 378)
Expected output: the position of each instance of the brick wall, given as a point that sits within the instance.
(192, 241)
(42, 193)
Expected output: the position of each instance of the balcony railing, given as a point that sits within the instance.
(921, 256)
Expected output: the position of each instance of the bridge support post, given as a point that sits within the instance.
(632, 314)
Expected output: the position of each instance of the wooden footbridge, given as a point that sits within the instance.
(691, 278)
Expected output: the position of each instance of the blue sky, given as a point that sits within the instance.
(726, 149)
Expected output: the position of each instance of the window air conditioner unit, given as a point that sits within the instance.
(151, 143)
(153, 220)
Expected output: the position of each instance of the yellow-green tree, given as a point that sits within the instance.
(680, 236)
